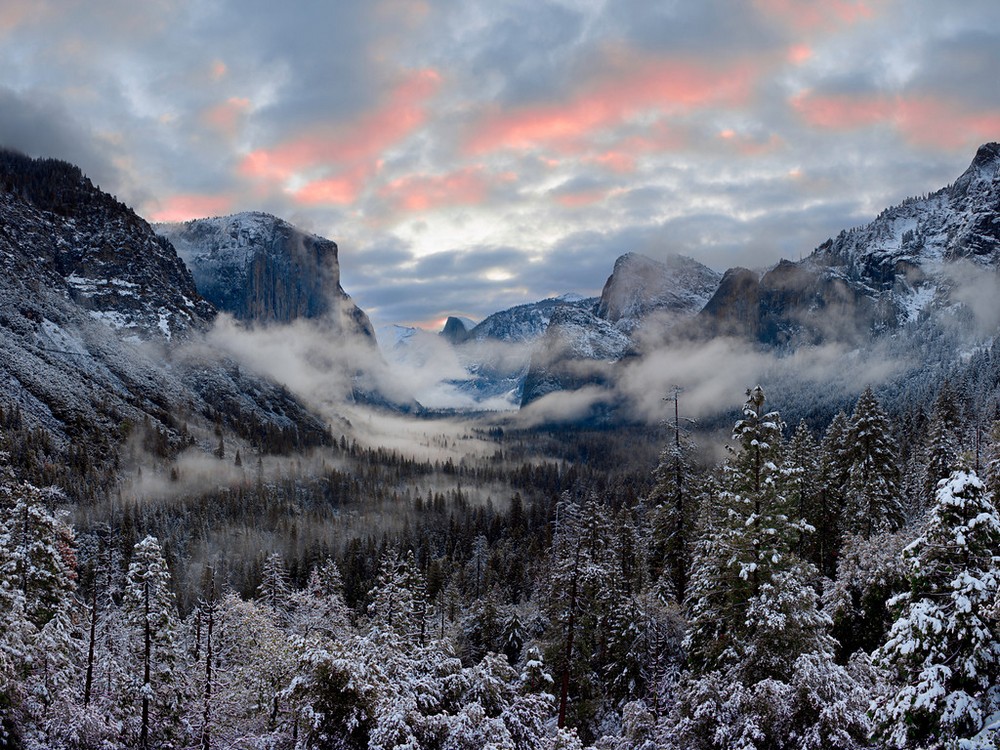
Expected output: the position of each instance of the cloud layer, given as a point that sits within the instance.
(469, 156)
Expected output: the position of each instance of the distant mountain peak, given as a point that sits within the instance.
(639, 285)
(984, 168)
(456, 329)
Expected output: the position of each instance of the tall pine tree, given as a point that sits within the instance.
(943, 648)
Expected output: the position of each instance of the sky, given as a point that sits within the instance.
(470, 155)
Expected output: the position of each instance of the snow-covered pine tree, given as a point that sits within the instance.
(319, 608)
(274, 590)
(802, 474)
(41, 551)
(673, 505)
(579, 591)
(254, 662)
(756, 632)
(155, 685)
(874, 487)
(943, 649)
(397, 606)
(749, 535)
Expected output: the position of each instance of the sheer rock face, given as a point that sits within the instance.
(262, 269)
(100, 322)
(641, 297)
(455, 330)
(640, 286)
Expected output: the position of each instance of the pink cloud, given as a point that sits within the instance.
(617, 160)
(936, 123)
(799, 53)
(15, 13)
(923, 121)
(635, 85)
(420, 192)
(353, 148)
(341, 191)
(808, 15)
(218, 70)
(186, 206)
(227, 116)
(842, 112)
(581, 199)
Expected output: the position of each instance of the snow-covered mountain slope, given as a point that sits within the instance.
(100, 321)
(526, 323)
(263, 269)
(639, 286)
(555, 332)
(926, 257)
(573, 335)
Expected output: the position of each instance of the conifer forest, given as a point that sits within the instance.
(819, 586)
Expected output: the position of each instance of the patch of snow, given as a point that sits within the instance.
(164, 322)
(111, 318)
(917, 302)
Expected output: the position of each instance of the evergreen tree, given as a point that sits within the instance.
(319, 608)
(943, 648)
(831, 498)
(756, 631)
(874, 495)
(398, 600)
(274, 590)
(155, 682)
(579, 592)
(942, 441)
(674, 509)
(748, 536)
(802, 476)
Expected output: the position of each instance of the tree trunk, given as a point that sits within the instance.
(89, 682)
(207, 715)
(570, 629)
(147, 670)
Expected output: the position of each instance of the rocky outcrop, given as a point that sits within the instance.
(260, 268)
(455, 330)
(61, 232)
(639, 286)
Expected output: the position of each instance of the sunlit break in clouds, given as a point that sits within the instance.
(471, 156)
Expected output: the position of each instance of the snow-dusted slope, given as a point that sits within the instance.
(99, 318)
(928, 257)
(526, 323)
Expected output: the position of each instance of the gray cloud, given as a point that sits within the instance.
(40, 126)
